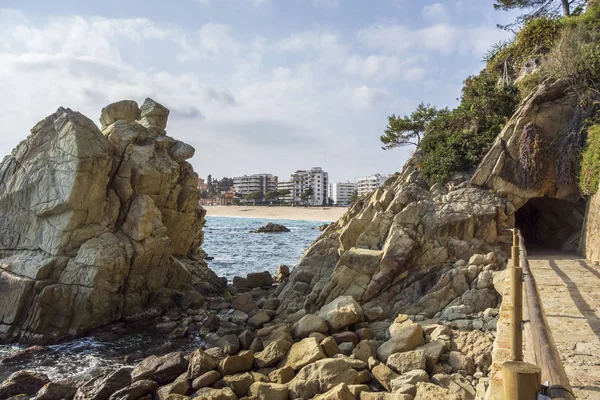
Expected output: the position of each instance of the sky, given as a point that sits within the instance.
(254, 85)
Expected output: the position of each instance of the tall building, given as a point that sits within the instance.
(341, 193)
(286, 185)
(301, 183)
(370, 183)
(254, 183)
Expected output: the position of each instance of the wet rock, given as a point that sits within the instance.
(404, 362)
(274, 352)
(341, 313)
(308, 324)
(134, 391)
(235, 364)
(24, 355)
(206, 380)
(409, 338)
(58, 390)
(103, 386)
(200, 363)
(163, 369)
(216, 394)
(271, 391)
(303, 353)
(270, 227)
(22, 382)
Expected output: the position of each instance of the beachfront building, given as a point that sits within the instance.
(309, 187)
(254, 183)
(370, 183)
(341, 193)
(289, 186)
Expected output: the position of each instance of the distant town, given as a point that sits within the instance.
(309, 187)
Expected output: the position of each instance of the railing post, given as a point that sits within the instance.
(516, 300)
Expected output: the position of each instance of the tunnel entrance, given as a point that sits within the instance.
(550, 223)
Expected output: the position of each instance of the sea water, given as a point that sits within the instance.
(236, 252)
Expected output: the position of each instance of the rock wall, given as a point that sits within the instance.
(97, 225)
(590, 243)
(404, 249)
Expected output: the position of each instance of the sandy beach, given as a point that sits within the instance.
(294, 213)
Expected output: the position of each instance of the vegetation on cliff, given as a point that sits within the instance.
(548, 47)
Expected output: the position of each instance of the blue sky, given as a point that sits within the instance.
(254, 85)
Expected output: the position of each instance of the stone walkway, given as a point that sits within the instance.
(570, 291)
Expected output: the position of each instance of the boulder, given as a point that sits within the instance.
(216, 394)
(341, 313)
(272, 353)
(282, 375)
(270, 227)
(239, 363)
(409, 378)
(409, 338)
(181, 386)
(283, 271)
(245, 303)
(259, 279)
(429, 391)
(404, 362)
(239, 383)
(303, 353)
(119, 235)
(22, 382)
(461, 362)
(259, 319)
(340, 392)
(329, 346)
(382, 373)
(163, 369)
(200, 363)
(308, 324)
(64, 390)
(274, 332)
(134, 391)
(271, 391)
(321, 376)
(364, 350)
(206, 380)
(432, 350)
(456, 384)
(103, 386)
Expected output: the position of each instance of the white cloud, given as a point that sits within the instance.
(365, 97)
(435, 11)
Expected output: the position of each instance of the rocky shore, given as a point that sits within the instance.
(341, 351)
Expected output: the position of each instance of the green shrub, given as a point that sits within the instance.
(589, 177)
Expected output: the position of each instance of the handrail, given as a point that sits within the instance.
(546, 354)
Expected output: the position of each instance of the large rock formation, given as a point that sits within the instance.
(97, 225)
(400, 250)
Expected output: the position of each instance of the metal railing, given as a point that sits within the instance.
(522, 380)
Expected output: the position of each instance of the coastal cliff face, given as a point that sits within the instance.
(405, 249)
(97, 225)
(590, 242)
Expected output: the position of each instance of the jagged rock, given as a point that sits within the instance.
(239, 383)
(259, 279)
(433, 351)
(24, 355)
(329, 346)
(409, 378)
(341, 313)
(239, 363)
(61, 390)
(282, 375)
(245, 303)
(275, 332)
(108, 220)
(163, 369)
(321, 376)
(283, 271)
(340, 392)
(382, 373)
(429, 391)
(22, 382)
(395, 250)
(407, 361)
(103, 386)
(206, 380)
(384, 396)
(180, 387)
(457, 384)
(364, 351)
(270, 227)
(308, 324)
(303, 353)
(409, 338)
(271, 391)
(200, 363)
(459, 361)
(134, 391)
(272, 353)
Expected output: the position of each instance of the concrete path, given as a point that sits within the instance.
(570, 291)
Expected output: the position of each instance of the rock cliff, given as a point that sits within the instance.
(96, 225)
(405, 249)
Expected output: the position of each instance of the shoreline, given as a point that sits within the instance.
(323, 214)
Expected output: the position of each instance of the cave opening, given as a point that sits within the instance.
(550, 223)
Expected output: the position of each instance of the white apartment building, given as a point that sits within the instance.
(254, 183)
(315, 179)
(370, 183)
(286, 185)
(341, 193)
